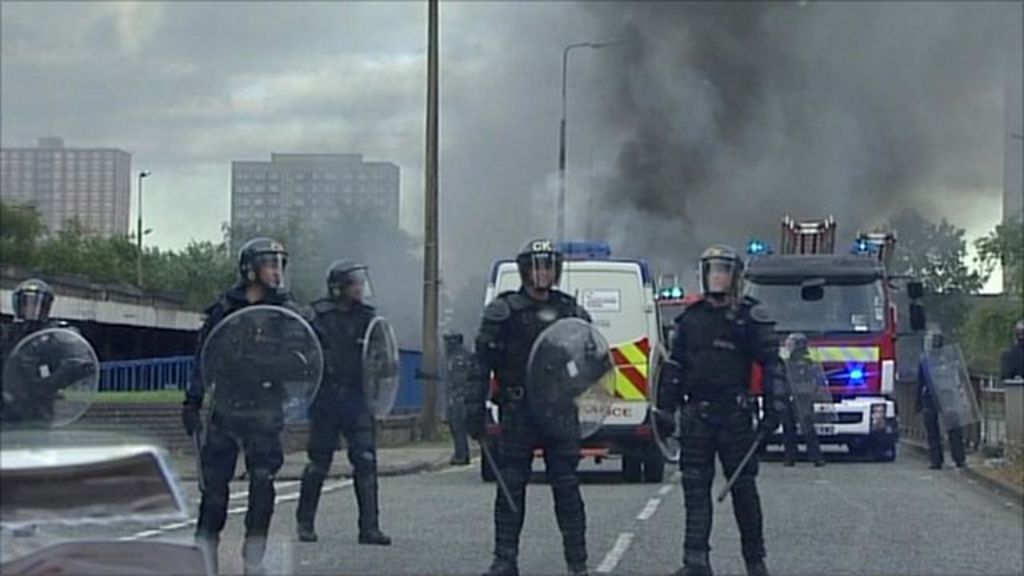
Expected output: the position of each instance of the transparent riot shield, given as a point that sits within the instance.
(667, 432)
(806, 387)
(570, 379)
(49, 380)
(380, 367)
(262, 364)
(951, 386)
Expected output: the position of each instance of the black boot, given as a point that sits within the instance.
(695, 564)
(309, 500)
(756, 568)
(366, 499)
(208, 545)
(253, 550)
(502, 567)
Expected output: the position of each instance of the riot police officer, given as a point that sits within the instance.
(717, 341)
(261, 266)
(928, 407)
(341, 321)
(458, 368)
(31, 302)
(510, 325)
(798, 404)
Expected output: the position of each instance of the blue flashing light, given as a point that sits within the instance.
(863, 246)
(677, 292)
(585, 250)
(857, 374)
(756, 247)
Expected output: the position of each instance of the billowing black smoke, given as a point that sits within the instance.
(720, 118)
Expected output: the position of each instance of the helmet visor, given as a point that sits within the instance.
(357, 284)
(31, 306)
(270, 270)
(718, 276)
(541, 270)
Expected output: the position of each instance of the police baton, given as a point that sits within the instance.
(743, 464)
(198, 444)
(489, 458)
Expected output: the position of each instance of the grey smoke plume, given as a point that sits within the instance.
(722, 117)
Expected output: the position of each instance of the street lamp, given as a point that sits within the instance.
(561, 127)
(139, 233)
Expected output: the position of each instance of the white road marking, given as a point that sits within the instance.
(454, 469)
(330, 487)
(611, 560)
(665, 489)
(649, 509)
(277, 486)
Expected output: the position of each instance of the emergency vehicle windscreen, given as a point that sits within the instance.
(842, 307)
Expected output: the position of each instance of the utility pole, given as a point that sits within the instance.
(429, 368)
(138, 232)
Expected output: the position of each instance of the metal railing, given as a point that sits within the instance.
(146, 375)
(175, 373)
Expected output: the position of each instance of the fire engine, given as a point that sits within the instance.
(845, 303)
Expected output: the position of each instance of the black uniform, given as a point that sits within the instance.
(341, 406)
(798, 408)
(714, 350)
(235, 427)
(458, 370)
(32, 402)
(510, 325)
(929, 410)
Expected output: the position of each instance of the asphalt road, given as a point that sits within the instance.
(846, 518)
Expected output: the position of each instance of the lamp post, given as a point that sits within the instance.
(138, 231)
(562, 128)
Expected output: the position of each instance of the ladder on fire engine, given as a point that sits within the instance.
(808, 236)
(879, 243)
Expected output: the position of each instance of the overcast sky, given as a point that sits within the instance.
(187, 87)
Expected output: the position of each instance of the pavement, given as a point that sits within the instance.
(409, 459)
(979, 469)
(849, 517)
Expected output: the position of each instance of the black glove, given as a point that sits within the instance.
(665, 421)
(190, 417)
(769, 421)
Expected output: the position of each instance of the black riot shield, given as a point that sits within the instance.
(807, 389)
(951, 386)
(380, 367)
(570, 379)
(49, 380)
(667, 433)
(262, 365)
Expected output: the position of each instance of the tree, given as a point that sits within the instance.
(20, 228)
(1005, 246)
(936, 254)
(988, 331)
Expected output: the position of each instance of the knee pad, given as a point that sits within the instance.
(261, 478)
(697, 477)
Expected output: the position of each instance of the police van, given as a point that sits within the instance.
(619, 295)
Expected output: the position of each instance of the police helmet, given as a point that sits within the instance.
(344, 273)
(536, 255)
(717, 261)
(257, 253)
(31, 300)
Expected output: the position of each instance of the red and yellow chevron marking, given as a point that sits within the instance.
(631, 363)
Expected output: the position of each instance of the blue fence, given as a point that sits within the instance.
(175, 373)
(170, 373)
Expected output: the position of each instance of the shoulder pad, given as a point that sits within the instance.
(749, 301)
(368, 309)
(516, 300)
(759, 315)
(498, 310)
(301, 309)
